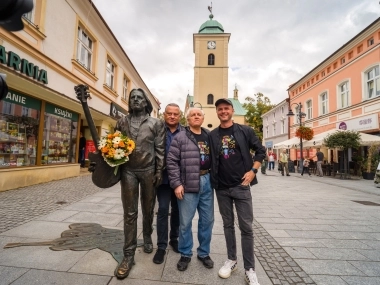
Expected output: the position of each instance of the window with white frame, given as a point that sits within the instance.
(296, 117)
(309, 110)
(84, 49)
(274, 129)
(372, 82)
(266, 131)
(344, 95)
(110, 74)
(26, 112)
(125, 88)
(324, 103)
(282, 110)
(30, 15)
(283, 127)
(8, 108)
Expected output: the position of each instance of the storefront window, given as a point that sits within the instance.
(58, 144)
(19, 121)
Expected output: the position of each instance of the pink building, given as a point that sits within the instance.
(342, 92)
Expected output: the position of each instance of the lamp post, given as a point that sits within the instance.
(192, 104)
(300, 115)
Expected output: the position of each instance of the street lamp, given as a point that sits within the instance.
(192, 104)
(300, 115)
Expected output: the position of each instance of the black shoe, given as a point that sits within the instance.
(287, 175)
(159, 256)
(207, 262)
(183, 263)
(174, 245)
(123, 269)
(282, 174)
(148, 247)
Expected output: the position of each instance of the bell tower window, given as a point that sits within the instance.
(211, 59)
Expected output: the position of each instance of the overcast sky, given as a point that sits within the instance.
(273, 42)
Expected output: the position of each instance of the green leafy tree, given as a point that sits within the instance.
(256, 106)
(343, 141)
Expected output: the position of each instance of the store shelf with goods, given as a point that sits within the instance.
(14, 150)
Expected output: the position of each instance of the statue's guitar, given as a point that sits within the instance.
(103, 176)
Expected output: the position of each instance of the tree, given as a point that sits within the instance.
(256, 107)
(343, 140)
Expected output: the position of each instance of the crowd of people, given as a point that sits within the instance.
(183, 167)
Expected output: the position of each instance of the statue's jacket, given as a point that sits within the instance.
(150, 144)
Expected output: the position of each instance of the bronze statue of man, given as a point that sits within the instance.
(143, 169)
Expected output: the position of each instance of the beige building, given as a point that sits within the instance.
(210, 46)
(64, 43)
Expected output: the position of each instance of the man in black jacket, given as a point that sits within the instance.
(233, 171)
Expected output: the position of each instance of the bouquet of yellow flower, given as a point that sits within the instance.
(116, 148)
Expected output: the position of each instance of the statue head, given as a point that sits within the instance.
(145, 103)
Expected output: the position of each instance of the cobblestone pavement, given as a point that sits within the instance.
(25, 204)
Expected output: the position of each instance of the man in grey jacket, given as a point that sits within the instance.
(188, 163)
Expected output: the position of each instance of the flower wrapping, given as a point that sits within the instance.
(116, 148)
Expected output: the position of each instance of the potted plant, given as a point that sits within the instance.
(370, 162)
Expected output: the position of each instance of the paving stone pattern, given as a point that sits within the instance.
(25, 204)
(277, 263)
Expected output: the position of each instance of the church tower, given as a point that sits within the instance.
(210, 46)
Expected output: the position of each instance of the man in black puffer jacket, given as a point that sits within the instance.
(188, 163)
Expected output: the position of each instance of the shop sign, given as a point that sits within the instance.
(269, 144)
(117, 112)
(360, 124)
(61, 112)
(23, 100)
(13, 60)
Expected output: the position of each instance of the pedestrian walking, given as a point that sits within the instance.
(284, 162)
(271, 159)
(188, 164)
(165, 194)
(319, 155)
(305, 168)
(233, 171)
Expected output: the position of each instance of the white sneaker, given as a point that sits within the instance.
(251, 277)
(226, 270)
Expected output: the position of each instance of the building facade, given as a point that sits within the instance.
(63, 44)
(210, 47)
(343, 91)
(275, 126)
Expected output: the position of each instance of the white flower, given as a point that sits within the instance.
(119, 154)
(102, 143)
(116, 140)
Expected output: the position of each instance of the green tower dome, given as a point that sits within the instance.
(211, 27)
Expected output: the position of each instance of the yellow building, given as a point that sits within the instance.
(210, 46)
(63, 44)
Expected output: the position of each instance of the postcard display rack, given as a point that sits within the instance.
(14, 150)
(56, 143)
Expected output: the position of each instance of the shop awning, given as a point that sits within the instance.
(317, 141)
(290, 143)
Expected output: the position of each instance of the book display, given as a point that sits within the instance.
(56, 140)
(14, 148)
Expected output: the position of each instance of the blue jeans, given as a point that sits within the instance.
(165, 198)
(241, 197)
(271, 165)
(203, 201)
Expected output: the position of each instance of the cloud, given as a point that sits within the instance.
(273, 43)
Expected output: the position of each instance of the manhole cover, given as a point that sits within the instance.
(61, 202)
(367, 203)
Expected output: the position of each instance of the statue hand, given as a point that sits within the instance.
(92, 166)
(157, 179)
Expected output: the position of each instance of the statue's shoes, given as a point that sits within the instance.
(123, 269)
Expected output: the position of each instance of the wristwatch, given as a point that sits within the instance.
(254, 170)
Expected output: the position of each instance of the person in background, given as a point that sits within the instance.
(82, 148)
(165, 194)
(319, 155)
(284, 162)
(188, 163)
(233, 172)
(271, 159)
(264, 165)
(305, 168)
